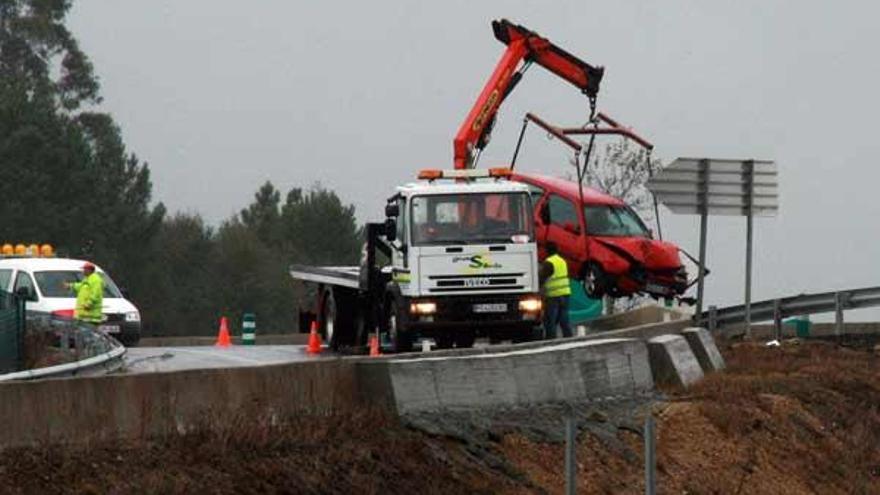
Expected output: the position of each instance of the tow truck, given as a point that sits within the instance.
(454, 260)
(606, 245)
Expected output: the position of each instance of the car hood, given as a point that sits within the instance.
(650, 253)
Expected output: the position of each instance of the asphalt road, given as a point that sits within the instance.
(159, 359)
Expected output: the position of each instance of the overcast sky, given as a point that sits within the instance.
(219, 97)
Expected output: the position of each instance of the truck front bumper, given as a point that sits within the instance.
(486, 315)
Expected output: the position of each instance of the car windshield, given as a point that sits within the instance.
(613, 221)
(52, 283)
(473, 218)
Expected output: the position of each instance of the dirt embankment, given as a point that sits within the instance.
(797, 419)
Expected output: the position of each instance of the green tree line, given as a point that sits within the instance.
(67, 178)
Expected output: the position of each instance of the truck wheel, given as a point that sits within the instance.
(595, 281)
(465, 339)
(401, 340)
(445, 341)
(337, 325)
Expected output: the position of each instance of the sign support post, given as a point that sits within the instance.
(703, 179)
(748, 193)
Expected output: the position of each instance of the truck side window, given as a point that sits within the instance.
(25, 280)
(562, 211)
(5, 276)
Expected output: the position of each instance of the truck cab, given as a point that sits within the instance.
(454, 260)
(464, 262)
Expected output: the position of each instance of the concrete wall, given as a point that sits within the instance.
(139, 406)
(673, 362)
(570, 371)
(640, 316)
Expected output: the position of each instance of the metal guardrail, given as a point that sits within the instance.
(803, 304)
(81, 347)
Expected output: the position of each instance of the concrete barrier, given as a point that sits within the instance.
(673, 362)
(703, 346)
(156, 404)
(572, 371)
(652, 313)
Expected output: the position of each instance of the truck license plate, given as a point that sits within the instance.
(490, 308)
(108, 328)
(477, 282)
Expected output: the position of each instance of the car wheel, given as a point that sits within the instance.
(595, 281)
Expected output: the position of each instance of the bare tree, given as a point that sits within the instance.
(622, 169)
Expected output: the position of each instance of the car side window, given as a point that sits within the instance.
(5, 276)
(562, 211)
(25, 280)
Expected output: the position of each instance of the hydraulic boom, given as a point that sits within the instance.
(523, 48)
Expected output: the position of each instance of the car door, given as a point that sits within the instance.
(565, 228)
(539, 199)
(23, 281)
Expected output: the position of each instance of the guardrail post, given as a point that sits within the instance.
(21, 327)
(570, 449)
(839, 302)
(713, 318)
(777, 318)
(650, 456)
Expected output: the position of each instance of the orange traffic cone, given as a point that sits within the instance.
(314, 340)
(374, 346)
(223, 335)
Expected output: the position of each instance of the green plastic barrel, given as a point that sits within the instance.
(801, 325)
(248, 329)
(580, 307)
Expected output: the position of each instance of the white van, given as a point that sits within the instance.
(45, 280)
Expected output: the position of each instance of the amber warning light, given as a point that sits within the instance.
(469, 174)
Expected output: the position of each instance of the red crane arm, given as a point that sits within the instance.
(522, 45)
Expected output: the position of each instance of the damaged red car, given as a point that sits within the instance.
(606, 244)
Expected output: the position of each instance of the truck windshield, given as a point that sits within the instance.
(52, 283)
(613, 221)
(473, 218)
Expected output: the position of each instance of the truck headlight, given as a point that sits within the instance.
(423, 308)
(530, 305)
(132, 316)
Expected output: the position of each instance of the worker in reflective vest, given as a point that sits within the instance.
(554, 278)
(89, 296)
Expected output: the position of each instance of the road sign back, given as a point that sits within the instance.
(718, 186)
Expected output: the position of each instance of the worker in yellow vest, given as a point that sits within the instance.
(554, 278)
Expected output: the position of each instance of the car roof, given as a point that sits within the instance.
(43, 264)
(568, 189)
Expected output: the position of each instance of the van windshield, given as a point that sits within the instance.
(613, 221)
(52, 283)
(473, 218)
